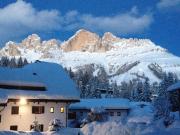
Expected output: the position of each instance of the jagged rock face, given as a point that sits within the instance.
(87, 41)
(50, 44)
(48, 47)
(11, 49)
(110, 38)
(82, 41)
(31, 41)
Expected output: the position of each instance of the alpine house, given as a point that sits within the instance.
(39, 92)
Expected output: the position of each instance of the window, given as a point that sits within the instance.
(111, 113)
(81, 113)
(41, 127)
(118, 113)
(14, 127)
(15, 110)
(52, 110)
(62, 109)
(72, 115)
(37, 109)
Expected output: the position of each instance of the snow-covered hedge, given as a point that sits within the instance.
(55, 125)
(96, 114)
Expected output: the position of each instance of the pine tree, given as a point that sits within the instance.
(82, 89)
(25, 62)
(173, 96)
(124, 90)
(71, 74)
(146, 91)
(12, 63)
(139, 91)
(88, 91)
(162, 102)
(20, 62)
(116, 92)
(4, 61)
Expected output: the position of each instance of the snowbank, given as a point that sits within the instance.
(64, 131)
(105, 128)
(110, 128)
(117, 128)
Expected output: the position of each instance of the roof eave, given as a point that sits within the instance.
(43, 100)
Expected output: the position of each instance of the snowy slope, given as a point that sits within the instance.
(122, 59)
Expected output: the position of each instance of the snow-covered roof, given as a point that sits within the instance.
(19, 85)
(106, 103)
(141, 112)
(57, 83)
(174, 87)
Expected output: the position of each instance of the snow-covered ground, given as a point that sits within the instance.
(110, 128)
(63, 131)
(139, 122)
(117, 128)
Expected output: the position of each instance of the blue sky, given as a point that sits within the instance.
(158, 20)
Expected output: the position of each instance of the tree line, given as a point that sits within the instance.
(13, 62)
(135, 90)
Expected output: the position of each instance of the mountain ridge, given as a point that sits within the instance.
(122, 59)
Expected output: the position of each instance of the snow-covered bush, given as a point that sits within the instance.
(35, 126)
(55, 125)
(76, 123)
(96, 114)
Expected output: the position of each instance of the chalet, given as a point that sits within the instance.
(174, 95)
(117, 108)
(104, 93)
(39, 91)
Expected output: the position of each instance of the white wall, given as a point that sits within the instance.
(25, 117)
(123, 115)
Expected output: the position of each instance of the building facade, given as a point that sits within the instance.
(15, 116)
(26, 97)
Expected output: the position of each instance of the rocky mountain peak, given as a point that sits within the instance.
(31, 40)
(83, 40)
(51, 42)
(110, 38)
(10, 43)
(11, 48)
(86, 36)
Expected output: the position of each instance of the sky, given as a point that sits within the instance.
(158, 20)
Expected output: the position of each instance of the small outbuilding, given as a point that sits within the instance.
(116, 108)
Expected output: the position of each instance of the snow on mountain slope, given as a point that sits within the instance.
(122, 59)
